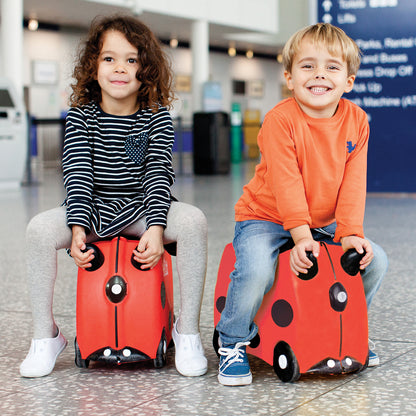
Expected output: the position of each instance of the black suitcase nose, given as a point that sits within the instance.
(338, 297)
(116, 289)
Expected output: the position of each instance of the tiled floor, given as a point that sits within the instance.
(142, 390)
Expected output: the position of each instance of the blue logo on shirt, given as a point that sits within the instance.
(350, 146)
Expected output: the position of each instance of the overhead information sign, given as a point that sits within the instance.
(385, 31)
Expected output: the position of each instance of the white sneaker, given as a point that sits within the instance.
(42, 355)
(190, 360)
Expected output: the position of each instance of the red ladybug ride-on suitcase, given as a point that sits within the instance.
(124, 314)
(307, 324)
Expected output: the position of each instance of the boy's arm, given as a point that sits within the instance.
(283, 176)
(359, 244)
(349, 212)
(286, 183)
(302, 237)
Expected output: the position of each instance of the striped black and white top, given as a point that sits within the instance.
(117, 169)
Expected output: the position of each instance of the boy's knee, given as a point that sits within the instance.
(258, 275)
(381, 261)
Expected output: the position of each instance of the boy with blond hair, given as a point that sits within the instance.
(309, 186)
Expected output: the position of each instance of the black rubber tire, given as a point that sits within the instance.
(290, 371)
(79, 361)
(215, 342)
(161, 354)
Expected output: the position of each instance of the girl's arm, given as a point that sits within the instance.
(82, 259)
(159, 175)
(150, 248)
(77, 170)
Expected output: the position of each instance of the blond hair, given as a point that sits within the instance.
(335, 39)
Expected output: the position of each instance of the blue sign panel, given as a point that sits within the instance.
(385, 31)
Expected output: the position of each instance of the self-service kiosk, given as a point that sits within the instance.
(13, 135)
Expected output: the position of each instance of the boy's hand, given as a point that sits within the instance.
(150, 248)
(299, 262)
(302, 237)
(82, 259)
(359, 244)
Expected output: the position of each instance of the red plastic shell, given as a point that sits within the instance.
(316, 331)
(138, 320)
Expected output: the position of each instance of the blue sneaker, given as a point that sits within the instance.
(234, 368)
(373, 359)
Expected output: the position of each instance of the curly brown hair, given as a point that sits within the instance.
(155, 72)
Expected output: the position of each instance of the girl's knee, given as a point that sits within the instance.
(188, 218)
(198, 219)
(36, 228)
(48, 227)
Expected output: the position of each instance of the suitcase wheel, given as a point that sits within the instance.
(285, 363)
(79, 361)
(161, 354)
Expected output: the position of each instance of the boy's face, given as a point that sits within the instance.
(318, 79)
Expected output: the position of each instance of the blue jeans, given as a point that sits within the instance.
(257, 245)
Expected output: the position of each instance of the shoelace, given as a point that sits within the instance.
(371, 344)
(233, 355)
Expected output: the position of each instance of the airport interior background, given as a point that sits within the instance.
(226, 57)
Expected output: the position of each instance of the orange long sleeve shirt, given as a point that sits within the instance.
(312, 171)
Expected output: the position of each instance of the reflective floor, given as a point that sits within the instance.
(141, 389)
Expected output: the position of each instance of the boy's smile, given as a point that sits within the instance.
(318, 79)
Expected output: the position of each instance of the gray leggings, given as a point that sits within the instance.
(48, 232)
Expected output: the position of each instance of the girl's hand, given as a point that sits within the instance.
(82, 259)
(150, 248)
(361, 245)
(299, 262)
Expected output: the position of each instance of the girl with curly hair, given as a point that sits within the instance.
(117, 170)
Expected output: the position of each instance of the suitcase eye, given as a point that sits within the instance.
(116, 289)
(137, 265)
(313, 270)
(98, 259)
(338, 297)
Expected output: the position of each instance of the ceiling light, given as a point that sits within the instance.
(232, 51)
(279, 58)
(33, 24)
(249, 54)
(173, 43)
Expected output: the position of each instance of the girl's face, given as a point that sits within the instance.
(116, 74)
(318, 79)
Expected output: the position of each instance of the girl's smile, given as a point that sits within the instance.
(117, 74)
